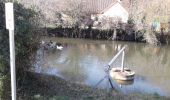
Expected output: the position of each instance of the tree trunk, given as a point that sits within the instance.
(114, 34)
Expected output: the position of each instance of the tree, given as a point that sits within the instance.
(145, 12)
(47, 8)
(26, 41)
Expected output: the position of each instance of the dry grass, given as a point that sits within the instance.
(44, 87)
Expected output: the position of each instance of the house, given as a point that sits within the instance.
(107, 8)
(99, 8)
(115, 10)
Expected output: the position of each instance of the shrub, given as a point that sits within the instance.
(26, 40)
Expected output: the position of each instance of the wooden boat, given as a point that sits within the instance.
(125, 75)
(122, 82)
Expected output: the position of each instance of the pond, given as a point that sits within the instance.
(83, 61)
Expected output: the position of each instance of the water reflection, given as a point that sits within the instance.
(120, 82)
(83, 61)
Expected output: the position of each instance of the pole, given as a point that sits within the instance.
(9, 13)
(122, 66)
(110, 82)
(113, 59)
(12, 64)
(100, 81)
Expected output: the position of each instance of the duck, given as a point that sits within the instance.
(42, 42)
(51, 44)
(48, 45)
(59, 47)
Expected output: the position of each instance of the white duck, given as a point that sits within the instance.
(42, 42)
(59, 47)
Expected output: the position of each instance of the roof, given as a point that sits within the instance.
(90, 6)
(97, 6)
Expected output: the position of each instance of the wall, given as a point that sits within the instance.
(116, 11)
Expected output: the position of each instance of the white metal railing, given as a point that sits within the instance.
(109, 65)
(116, 56)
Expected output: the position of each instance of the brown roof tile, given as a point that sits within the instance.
(90, 6)
(96, 6)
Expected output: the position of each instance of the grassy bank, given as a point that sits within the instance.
(46, 87)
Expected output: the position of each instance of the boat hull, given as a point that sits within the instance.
(126, 75)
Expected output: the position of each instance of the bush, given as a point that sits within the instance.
(26, 40)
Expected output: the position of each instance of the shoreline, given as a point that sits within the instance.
(46, 87)
(105, 34)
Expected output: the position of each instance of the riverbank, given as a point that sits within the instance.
(99, 34)
(107, 34)
(45, 87)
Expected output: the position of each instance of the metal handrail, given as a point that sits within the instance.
(114, 58)
(109, 64)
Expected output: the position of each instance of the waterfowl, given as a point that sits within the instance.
(59, 47)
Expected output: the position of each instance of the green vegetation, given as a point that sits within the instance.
(26, 40)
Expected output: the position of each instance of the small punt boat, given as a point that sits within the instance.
(121, 82)
(125, 75)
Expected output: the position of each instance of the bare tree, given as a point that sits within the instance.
(110, 23)
(146, 11)
(76, 12)
(48, 9)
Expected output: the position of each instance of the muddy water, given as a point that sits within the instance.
(83, 61)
